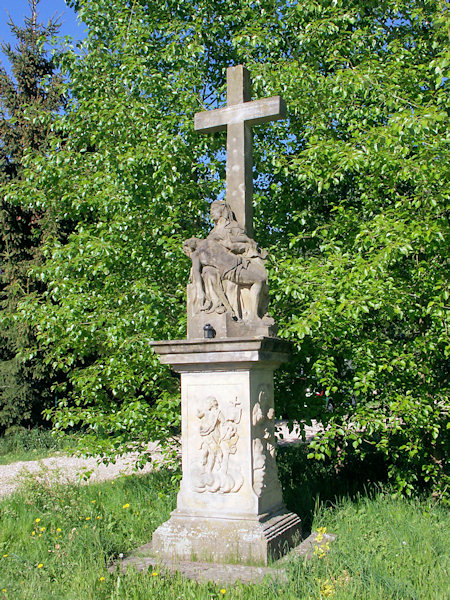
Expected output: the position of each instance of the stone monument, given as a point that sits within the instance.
(230, 506)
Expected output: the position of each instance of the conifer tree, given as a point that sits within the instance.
(29, 98)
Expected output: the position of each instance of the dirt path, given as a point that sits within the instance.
(71, 469)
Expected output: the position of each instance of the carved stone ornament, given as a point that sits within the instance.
(228, 272)
(219, 437)
(265, 471)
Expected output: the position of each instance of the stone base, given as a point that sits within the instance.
(224, 324)
(226, 327)
(143, 559)
(242, 541)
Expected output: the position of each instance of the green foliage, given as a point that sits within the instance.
(349, 198)
(19, 443)
(29, 99)
(75, 532)
(381, 548)
(361, 282)
(386, 548)
(308, 482)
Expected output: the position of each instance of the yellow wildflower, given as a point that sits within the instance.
(58, 529)
(37, 520)
(102, 579)
(222, 591)
(40, 565)
(88, 518)
(154, 574)
(322, 549)
(5, 555)
(93, 501)
(126, 505)
(326, 589)
(33, 533)
(4, 590)
(99, 517)
(42, 529)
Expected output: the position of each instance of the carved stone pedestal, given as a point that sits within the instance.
(230, 506)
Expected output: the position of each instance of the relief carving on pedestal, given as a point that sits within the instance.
(265, 471)
(219, 437)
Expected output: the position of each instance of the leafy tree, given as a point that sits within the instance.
(350, 199)
(29, 98)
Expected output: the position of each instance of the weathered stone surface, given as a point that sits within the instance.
(237, 118)
(228, 274)
(230, 484)
(221, 355)
(253, 112)
(218, 467)
(222, 574)
(230, 504)
(228, 280)
(227, 540)
(225, 325)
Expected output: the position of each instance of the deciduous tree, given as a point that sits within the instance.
(349, 198)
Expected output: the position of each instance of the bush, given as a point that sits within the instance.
(19, 441)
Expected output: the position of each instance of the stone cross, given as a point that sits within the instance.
(230, 506)
(237, 119)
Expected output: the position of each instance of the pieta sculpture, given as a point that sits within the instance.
(228, 272)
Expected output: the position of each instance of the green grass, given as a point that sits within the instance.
(19, 443)
(386, 548)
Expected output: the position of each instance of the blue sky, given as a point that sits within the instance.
(17, 9)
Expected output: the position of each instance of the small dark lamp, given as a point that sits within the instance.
(209, 331)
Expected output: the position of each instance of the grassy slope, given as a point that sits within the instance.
(386, 548)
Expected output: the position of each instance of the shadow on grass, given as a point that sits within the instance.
(307, 483)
